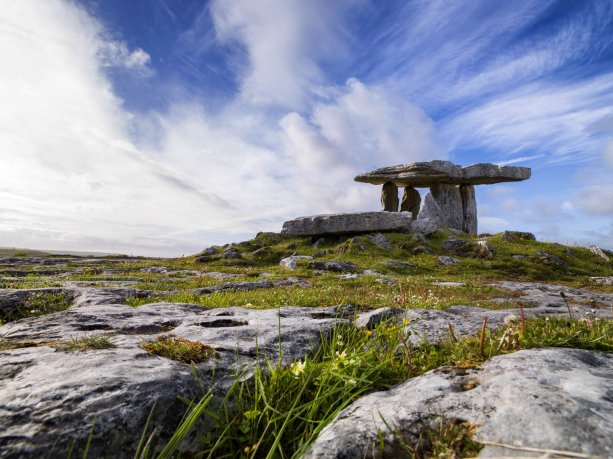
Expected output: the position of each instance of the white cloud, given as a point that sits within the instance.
(608, 153)
(357, 129)
(117, 54)
(73, 179)
(596, 200)
(285, 40)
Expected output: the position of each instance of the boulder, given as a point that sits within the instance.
(566, 392)
(514, 236)
(381, 241)
(363, 222)
(291, 262)
(425, 174)
(389, 197)
(606, 280)
(447, 261)
(339, 266)
(598, 252)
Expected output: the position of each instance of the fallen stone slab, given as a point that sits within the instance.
(541, 398)
(425, 174)
(350, 223)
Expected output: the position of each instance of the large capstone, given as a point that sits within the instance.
(425, 174)
(389, 197)
(363, 222)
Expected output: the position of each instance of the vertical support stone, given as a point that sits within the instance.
(411, 200)
(389, 197)
(449, 202)
(469, 209)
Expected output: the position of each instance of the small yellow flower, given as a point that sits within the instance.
(351, 382)
(405, 322)
(297, 368)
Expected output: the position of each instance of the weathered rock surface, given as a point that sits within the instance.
(598, 252)
(425, 174)
(395, 264)
(447, 261)
(363, 222)
(545, 398)
(389, 197)
(469, 209)
(607, 280)
(291, 262)
(514, 236)
(49, 396)
(339, 266)
(411, 201)
(380, 240)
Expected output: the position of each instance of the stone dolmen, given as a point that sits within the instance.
(450, 203)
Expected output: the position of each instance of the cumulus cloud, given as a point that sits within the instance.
(284, 40)
(356, 129)
(117, 54)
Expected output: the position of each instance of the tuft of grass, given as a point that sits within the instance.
(87, 343)
(180, 349)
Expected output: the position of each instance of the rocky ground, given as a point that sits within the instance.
(81, 371)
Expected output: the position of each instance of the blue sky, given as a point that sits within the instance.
(159, 127)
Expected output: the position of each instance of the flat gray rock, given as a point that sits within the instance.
(49, 397)
(425, 174)
(542, 398)
(351, 223)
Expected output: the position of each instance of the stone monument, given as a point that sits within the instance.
(450, 202)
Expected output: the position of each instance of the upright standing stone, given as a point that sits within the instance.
(469, 209)
(449, 201)
(389, 197)
(411, 200)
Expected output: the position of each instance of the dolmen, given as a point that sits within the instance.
(449, 203)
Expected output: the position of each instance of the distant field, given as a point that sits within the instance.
(18, 252)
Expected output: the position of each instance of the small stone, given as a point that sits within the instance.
(389, 197)
(447, 261)
(380, 240)
(549, 258)
(351, 276)
(231, 255)
(338, 266)
(449, 284)
(485, 250)
(598, 252)
(514, 236)
(394, 264)
(291, 262)
(421, 249)
(518, 257)
(608, 280)
(454, 245)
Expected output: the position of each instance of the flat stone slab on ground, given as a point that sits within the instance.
(350, 223)
(543, 398)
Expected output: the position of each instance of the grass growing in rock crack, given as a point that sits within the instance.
(180, 349)
(87, 343)
(37, 304)
(281, 408)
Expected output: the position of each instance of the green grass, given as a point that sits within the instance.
(37, 304)
(283, 407)
(87, 343)
(179, 349)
